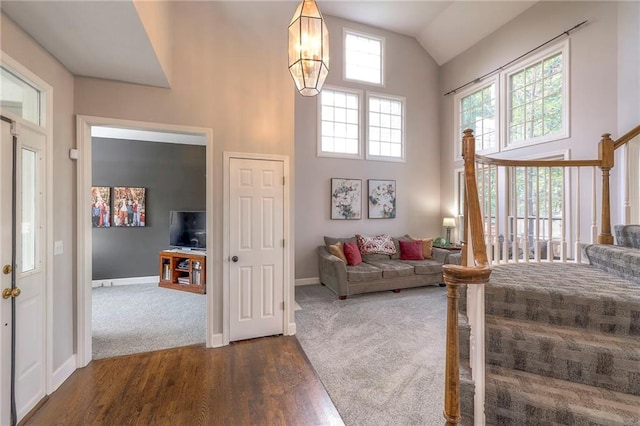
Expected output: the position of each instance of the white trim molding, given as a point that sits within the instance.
(109, 282)
(84, 231)
(307, 281)
(63, 373)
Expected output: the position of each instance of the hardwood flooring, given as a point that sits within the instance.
(266, 381)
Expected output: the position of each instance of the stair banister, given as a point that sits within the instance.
(605, 155)
(474, 270)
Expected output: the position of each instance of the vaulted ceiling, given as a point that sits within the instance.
(107, 39)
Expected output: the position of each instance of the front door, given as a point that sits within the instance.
(256, 246)
(23, 262)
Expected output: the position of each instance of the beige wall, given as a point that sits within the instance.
(23, 49)
(593, 85)
(409, 72)
(156, 18)
(228, 74)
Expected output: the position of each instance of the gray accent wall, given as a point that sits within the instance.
(408, 72)
(174, 178)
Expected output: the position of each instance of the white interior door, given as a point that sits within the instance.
(256, 247)
(28, 269)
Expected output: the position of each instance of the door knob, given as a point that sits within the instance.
(10, 292)
(6, 269)
(234, 258)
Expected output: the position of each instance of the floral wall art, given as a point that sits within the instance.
(346, 198)
(382, 199)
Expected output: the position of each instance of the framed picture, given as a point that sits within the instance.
(100, 205)
(129, 206)
(346, 198)
(382, 199)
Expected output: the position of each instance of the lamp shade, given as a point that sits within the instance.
(449, 222)
(308, 48)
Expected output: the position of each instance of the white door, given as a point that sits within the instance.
(256, 247)
(27, 264)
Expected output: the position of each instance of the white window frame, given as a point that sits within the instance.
(320, 152)
(456, 118)
(506, 101)
(403, 147)
(348, 31)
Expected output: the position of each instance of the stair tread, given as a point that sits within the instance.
(598, 404)
(583, 336)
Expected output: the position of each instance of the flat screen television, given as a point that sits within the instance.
(188, 230)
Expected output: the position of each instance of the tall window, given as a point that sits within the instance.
(540, 206)
(477, 111)
(537, 101)
(339, 123)
(385, 136)
(363, 57)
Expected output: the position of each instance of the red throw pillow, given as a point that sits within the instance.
(411, 250)
(352, 253)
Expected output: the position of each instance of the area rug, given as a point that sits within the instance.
(144, 317)
(380, 355)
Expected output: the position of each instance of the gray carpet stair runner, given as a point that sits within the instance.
(562, 347)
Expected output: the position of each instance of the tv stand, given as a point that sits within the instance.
(183, 270)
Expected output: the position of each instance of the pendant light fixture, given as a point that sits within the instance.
(308, 48)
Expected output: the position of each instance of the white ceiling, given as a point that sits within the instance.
(106, 39)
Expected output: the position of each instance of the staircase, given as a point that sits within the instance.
(562, 347)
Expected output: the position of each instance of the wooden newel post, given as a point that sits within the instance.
(452, 366)
(606, 157)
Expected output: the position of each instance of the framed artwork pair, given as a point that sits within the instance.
(346, 199)
(128, 209)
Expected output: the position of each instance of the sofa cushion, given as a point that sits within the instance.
(352, 254)
(368, 258)
(396, 243)
(379, 244)
(337, 250)
(332, 240)
(424, 267)
(363, 272)
(393, 268)
(411, 250)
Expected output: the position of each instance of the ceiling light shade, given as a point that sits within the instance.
(308, 48)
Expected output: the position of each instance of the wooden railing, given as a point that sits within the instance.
(484, 227)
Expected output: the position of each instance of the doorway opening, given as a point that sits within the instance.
(158, 169)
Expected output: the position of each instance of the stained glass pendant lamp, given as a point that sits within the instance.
(308, 48)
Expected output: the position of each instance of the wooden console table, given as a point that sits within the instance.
(183, 270)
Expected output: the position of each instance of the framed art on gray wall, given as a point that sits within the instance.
(346, 198)
(100, 205)
(382, 199)
(129, 206)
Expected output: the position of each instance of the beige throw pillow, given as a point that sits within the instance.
(427, 247)
(338, 251)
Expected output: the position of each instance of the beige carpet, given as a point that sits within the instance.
(380, 356)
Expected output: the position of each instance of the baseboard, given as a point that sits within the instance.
(292, 329)
(307, 281)
(62, 373)
(125, 281)
(216, 341)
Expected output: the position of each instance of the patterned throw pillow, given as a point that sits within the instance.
(337, 250)
(427, 247)
(380, 244)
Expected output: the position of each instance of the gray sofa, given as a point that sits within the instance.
(622, 259)
(378, 272)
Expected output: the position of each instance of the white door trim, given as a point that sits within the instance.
(46, 113)
(84, 242)
(289, 325)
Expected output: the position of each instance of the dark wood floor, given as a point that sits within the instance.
(266, 381)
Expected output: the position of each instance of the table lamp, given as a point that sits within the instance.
(449, 222)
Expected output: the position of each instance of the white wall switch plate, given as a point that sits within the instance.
(57, 248)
